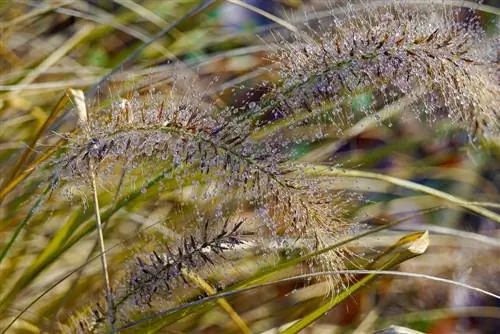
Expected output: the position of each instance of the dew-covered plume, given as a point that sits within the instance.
(424, 51)
(186, 136)
(163, 271)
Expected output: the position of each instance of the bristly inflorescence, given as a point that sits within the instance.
(421, 51)
(162, 272)
(185, 135)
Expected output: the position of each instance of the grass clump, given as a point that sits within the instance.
(196, 194)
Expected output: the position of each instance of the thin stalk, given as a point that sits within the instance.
(318, 170)
(104, 263)
(222, 302)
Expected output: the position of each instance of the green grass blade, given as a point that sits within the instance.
(318, 170)
(416, 244)
(22, 224)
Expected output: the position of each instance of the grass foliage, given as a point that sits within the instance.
(247, 180)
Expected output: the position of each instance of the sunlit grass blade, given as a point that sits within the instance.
(29, 170)
(318, 170)
(406, 248)
(222, 302)
(23, 223)
(74, 230)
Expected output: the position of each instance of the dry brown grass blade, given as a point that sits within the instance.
(222, 302)
(14, 178)
(57, 54)
(27, 172)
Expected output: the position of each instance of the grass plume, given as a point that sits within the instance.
(392, 50)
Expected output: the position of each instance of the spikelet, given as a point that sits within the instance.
(420, 50)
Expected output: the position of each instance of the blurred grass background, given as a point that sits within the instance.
(48, 47)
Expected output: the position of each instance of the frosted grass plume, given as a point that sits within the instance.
(391, 50)
(156, 278)
(162, 271)
(183, 132)
(397, 49)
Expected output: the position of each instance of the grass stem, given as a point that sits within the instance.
(104, 263)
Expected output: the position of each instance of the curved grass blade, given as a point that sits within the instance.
(406, 248)
(319, 170)
(11, 181)
(210, 299)
(444, 313)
